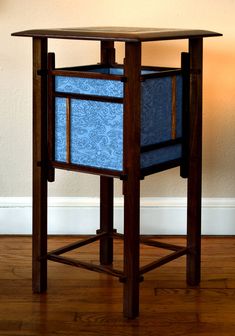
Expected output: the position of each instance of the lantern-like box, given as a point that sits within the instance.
(95, 106)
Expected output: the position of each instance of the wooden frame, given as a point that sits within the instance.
(106, 265)
(44, 162)
(131, 175)
(131, 186)
(40, 167)
(195, 164)
(132, 274)
(107, 58)
(106, 63)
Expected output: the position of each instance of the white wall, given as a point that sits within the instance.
(219, 85)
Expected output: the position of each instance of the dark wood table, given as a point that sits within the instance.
(132, 170)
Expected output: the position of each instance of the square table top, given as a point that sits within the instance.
(124, 34)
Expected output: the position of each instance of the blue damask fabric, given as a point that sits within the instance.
(179, 105)
(97, 127)
(156, 118)
(156, 109)
(60, 129)
(161, 155)
(117, 71)
(96, 133)
(98, 87)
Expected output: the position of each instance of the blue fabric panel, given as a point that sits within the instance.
(99, 70)
(97, 134)
(179, 105)
(118, 71)
(97, 127)
(156, 110)
(156, 106)
(161, 155)
(108, 71)
(99, 87)
(60, 129)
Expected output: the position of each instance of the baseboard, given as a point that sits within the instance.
(80, 215)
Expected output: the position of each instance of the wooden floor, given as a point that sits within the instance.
(80, 302)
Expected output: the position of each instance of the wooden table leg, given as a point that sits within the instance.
(39, 164)
(107, 58)
(131, 247)
(195, 164)
(131, 186)
(106, 219)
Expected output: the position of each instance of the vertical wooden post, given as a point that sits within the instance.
(51, 116)
(39, 164)
(185, 66)
(195, 163)
(107, 53)
(106, 183)
(106, 219)
(131, 188)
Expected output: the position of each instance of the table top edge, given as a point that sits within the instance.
(123, 34)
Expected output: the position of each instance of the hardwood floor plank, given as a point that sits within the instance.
(80, 302)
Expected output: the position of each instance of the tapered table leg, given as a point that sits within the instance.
(195, 164)
(39, 165)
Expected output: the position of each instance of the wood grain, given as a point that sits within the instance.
(81, 302)
(51, 115)
(40, 164)
(131, 186)
(107, 58)
(194, 187)
(125, 34)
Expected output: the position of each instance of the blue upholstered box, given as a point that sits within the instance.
(96, 127)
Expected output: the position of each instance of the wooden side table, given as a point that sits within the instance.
(152, 120)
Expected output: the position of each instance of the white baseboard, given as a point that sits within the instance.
(80, 215)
